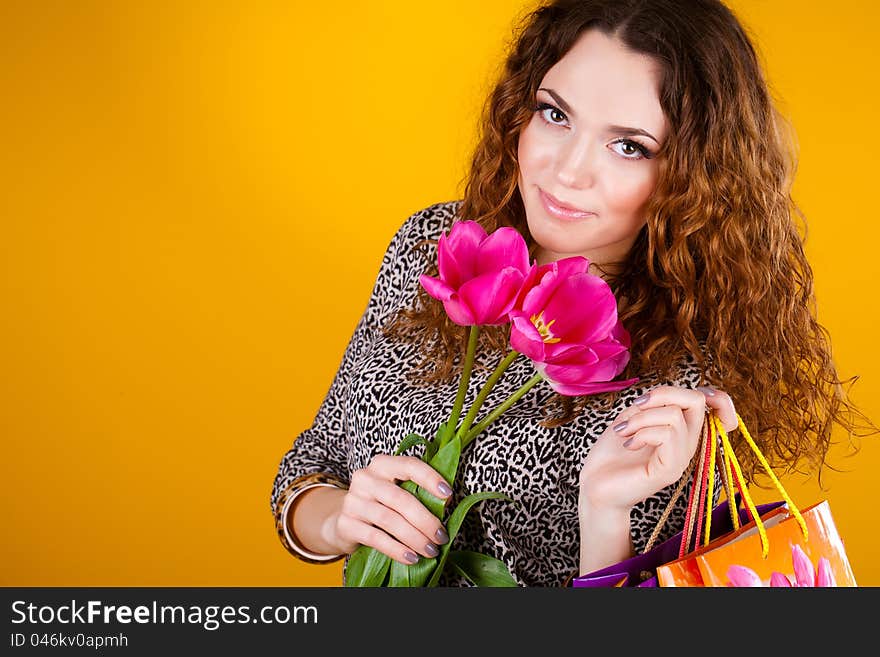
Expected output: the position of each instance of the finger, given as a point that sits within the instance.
(371, 536)
(373, 513)
(691, 402)
(403, 468)
(409, 507)
(661, 416)
(723, 406)
(669, 458)
(395, 525)
(625, 415)
(367, 487)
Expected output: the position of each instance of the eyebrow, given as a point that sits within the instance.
(612, 128)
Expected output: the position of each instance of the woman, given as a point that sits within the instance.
(641, 135)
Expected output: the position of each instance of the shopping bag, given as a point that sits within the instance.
(685, 571)
(710, 565)
(641, 570)
(774, 542)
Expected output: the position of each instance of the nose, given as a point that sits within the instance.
(576, 165)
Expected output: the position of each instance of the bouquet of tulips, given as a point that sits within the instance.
(563, 318)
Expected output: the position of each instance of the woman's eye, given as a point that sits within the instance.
(550, 114)
(630, 149)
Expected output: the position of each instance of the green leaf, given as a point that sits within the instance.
(367, 567)
(481, 569)
(409, 441)
(434, 445)
(453, 567)
(454, 524)
(445, 461)
(413, 576)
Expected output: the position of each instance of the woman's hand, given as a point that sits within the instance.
(649, 446)
(646, 448)
(378, 513)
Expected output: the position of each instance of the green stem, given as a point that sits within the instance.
(473, 338)
(481, 397)
(510, 401)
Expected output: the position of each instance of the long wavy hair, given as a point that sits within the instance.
(719, 271)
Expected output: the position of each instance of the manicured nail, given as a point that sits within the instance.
(706, 390)
(444, 489)
(410, 557)
(621, 426)
(432, 550)
(441, 535)
(642, 399)
(627, 443)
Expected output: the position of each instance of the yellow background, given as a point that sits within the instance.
(195, 200)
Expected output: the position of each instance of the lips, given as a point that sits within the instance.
(559, 209)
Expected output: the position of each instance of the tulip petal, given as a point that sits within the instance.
(541, 284)
(779, 580)
(743, 577)
(565, 352)
(448, 266)
(608, 348)
(525, 338)
(584, 307)
(503, 248)
(576, 390)
(803, 567)
(620, 334)
(544, 279)
(491, 296)
(567, 267)
(459, 312)
(436, 288)
(825, 576)
(586, 372)
(463, 243)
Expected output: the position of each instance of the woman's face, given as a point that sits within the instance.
(591, 146)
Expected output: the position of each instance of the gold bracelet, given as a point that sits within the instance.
(282, 512)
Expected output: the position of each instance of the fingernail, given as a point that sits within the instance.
(410, 557)
(441, 535)
(642, 399)
(627, 443)
(432, 550)
(621, 426)
(444, 489)
(706, 390)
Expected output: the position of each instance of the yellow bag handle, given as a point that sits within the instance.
(731, 467)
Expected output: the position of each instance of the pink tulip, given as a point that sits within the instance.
(743, 577)
(824, 576)
(480, 275)
(779, 580)
(565, 321)
(803, 567)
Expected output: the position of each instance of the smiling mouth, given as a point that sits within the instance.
(557, 209)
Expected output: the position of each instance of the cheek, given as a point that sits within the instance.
(529, 151)
(628, 192)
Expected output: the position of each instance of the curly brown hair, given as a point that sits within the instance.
(719, 270)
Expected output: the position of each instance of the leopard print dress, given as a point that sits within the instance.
(370, 407)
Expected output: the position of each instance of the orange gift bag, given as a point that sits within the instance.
(784, 546)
